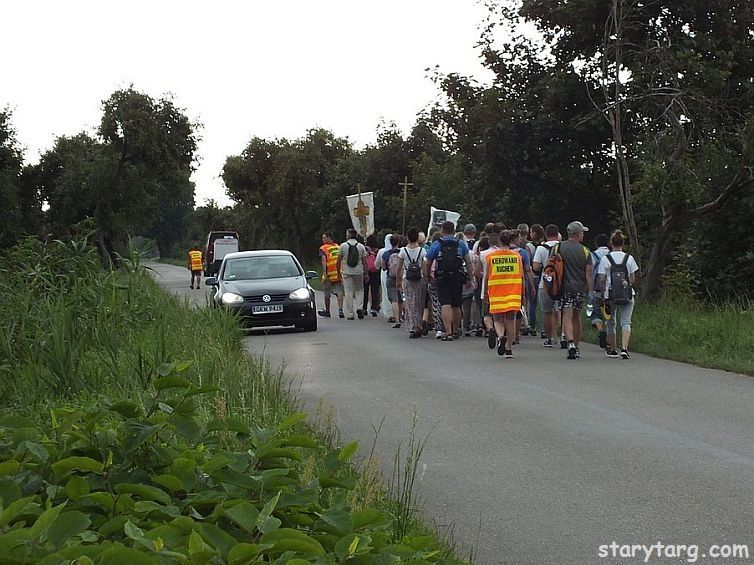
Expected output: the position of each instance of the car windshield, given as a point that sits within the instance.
(262, 267)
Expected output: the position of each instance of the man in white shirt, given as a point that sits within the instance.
(353, 274)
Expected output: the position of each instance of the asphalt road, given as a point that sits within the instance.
(538, 460)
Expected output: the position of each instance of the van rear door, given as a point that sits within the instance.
(223, 246)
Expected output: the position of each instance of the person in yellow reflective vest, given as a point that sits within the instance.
(195, 260)
(329, 254)
(504, 290)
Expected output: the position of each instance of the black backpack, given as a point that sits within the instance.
(414, 268)
(448, 261)
(620, 282)
(352, 259)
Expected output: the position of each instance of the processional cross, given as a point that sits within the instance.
(361, 212)
(405, 184)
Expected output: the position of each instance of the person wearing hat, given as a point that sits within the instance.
(577, 281)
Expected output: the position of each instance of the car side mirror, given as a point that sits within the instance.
(210, 281)
(311, 275)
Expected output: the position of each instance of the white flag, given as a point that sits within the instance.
(361, 209)
(437, 217)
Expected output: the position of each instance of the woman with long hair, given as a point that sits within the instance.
(411, 282)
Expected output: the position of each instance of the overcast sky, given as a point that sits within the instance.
(271, 68)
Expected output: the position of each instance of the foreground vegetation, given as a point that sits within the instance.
(136, 431)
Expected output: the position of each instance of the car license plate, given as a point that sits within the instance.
(267, 309)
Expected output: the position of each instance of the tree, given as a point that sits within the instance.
(11, 160)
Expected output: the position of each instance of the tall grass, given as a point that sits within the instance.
(70, 328)
(717, 336)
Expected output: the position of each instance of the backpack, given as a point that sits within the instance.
(393, 263)
(352, 258)
(553, 273)
(414, 268)
(372, 260)
(448, 261)
(620, 282)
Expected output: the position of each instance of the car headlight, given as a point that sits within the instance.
(229, 298)
(299, 294)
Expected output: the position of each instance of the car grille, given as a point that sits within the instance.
(258, 298)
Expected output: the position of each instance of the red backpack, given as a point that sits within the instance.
(372, 260)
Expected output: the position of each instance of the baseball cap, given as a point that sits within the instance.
(576, 227)
(469, 228)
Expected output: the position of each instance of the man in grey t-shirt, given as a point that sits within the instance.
(577, 280)
(353, 275)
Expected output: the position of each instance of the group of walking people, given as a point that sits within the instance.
(493, 286)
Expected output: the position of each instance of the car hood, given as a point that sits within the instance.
(265, 286)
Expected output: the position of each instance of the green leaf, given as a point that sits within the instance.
(243, 553)
(370, 517)
(168, 481)
(268, 508)
(120, 554)
(244, 514)
(165, 369)
(195, 542)
(132, 531)
(76, 487)
(235, 478)
(67, 525)
(17, 508)
(126, 409)
(278, 452)
(182, 366)
(9, 491)
(171, 381)
(291, 421)
(269, 525)
(215, 463)
(229, 424)
(144, 491)
(351, 545)
(45, 519)
(9, 467)
(216, 537)
(201, 390)
(339, 520)
(76, 464)
(307, 442)
(348, 451)
(347, 483)
(36, 450)
(288, 539)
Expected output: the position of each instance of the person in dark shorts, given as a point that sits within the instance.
(453, 264)
(577, 280)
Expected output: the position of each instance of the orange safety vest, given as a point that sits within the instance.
(332, 253)
(505, 279)
(195, 259)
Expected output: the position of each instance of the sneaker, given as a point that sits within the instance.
(501, 345)
(447, 337)
(571, 350)
(324, 313)
(374, 313)
(578, 353)
(624, 354)
(479, 332)
(398, 325)
(603, 339)
(610, 352)
(533, 333)
(467, 333)
(360, 314)
(543, 335)
(197, 286)
(391, 320)
(192, 287)
(439, 334)
(491, 338)
(508, 354)
(563, 342)
(457, 334)
(341, 314)
(547, 343)
(350, 318)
